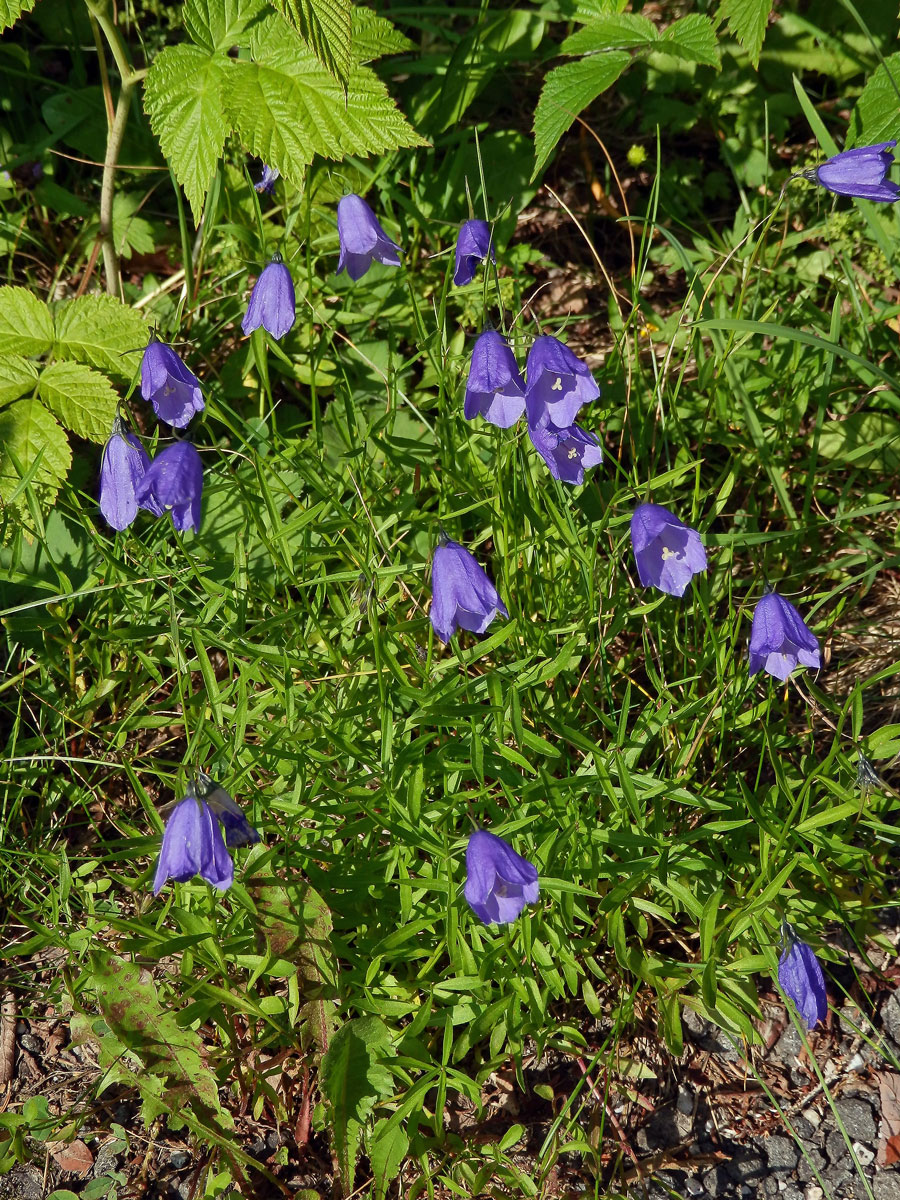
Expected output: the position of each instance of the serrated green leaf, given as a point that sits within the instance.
(876, 117)
(693, 38)
(218, 24)
(747, 20)
(325, 26)
(373, 36)
(26, 326)
(567, 90)
(388, 1147)
(102, 332)
(11, 10)
(30, 435)
(17, 377)
(286, 108)
(130, 1004)
(617, 31)
(81, 398)
(353, 1079)
(183, 99)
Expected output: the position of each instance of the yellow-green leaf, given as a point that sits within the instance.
(26, 326)
(82, 398)
(31, 437)
(102, 332)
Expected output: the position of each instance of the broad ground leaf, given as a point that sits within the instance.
(101, 331)
(353, 1079)
(388, 1146)
(17, 377)
(11, 10)
(218, 24)
(26, 326)
(183, 98)
(82, 399)
(875, 116)
(747, 20)
(567, 90)
(325, 26)
(34, 443)
(131, 1006)
(373, 36)
(693, 38)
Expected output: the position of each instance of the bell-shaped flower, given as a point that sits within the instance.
(499, 882)
(861, 172)
(801, 979)
(122, 468)
(272, 303)
(567, 452)
(266, 181)
(362, 239)
(495, 389)
(780, 639)
(238, 830)
(171, 388)
(193, 845)
(462, 596)
(559, 384)
(472, 246)
(174, 480)
(667, 552)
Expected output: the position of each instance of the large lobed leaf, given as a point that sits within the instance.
(26, 326)
(219, 24)
(875, 118)
(325, 26)
(81, 398)
(102, 332)
(747, 20)
(566, 92)
(11, 10)
(32, 444)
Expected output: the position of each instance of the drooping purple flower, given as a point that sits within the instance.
(122, 468)
(567, 452)
(272, 303)
(266, 181)
(462, 595)
(172, 389)
(559, 383)
(238, 830)
(494, 389)
(174, 480)
(362, 239)
(667, 552)
(472, 246)
(861, 172)
(499, 882)
(780, 639)
(801, 979)
(193, 845)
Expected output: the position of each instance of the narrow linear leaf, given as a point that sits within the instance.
(183, 99)
(747, 20)
(325, 26)
(102, 332)
(82, 399)
(29, 434)
(218, 24)
(11, 10)
(566, 92)
(26, 326)
(17, 377)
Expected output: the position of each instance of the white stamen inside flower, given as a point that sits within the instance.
(557, 386)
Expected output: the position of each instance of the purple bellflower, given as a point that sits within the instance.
(171, 388)
(780, 639)
(174, 480)
(667, 552)
(567, 452)
(266, 181)
(122, 468)
(472, 246)
(193, 845)
(494, 389)
(238, 830)
(462, 596)
(362, 239)
(272, 303)
(559, 384)
(801, 979)
(499, 882)
(861, 172)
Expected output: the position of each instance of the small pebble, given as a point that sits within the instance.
(856, 1063)
(864, 1154)
(814, 1192)
(179, 1160)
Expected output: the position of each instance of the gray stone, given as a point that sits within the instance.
(747, 1165)
(666, 1128)
(886, 1184)
(890, 1017)
(788, 1045)
(685, 1101)
(836, 1147)
(805, 1129)
(782, 1153)
(791, 1193)
(814, 1158)
(716, 1180)
(865, 1155)
(693, 1186)
(858, 1118)
(179, 1160)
